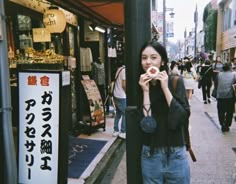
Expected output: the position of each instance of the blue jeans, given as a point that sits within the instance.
(120, 104)
(159, 169)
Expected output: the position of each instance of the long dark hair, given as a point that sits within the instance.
(188, 65)
(160, 49)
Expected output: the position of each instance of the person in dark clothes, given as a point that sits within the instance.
(207, 77)
(225, 96)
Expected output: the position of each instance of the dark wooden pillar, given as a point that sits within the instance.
(137, 31)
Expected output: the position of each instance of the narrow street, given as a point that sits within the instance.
(215, 151)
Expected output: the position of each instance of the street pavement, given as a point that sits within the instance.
(215, 151)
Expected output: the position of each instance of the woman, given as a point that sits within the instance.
(217, 67)
(119, 97)
(174, 68)
(206, 74)
(163, 157)
(189, 75)
(225, 96)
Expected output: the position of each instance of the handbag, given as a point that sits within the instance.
(148, 124)
(199, 82)
(214, 92)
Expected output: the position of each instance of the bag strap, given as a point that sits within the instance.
(206, 71)
(187, 136)
(174, 84)
(118, 73)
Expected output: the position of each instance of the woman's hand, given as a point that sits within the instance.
(163, 78)
(144, 81)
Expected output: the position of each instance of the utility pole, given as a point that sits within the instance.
(164, 23)
(195, 36)
(185, 42)
(8, 149)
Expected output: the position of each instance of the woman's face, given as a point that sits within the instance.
(150, 57)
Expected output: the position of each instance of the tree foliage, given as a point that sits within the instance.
(210, 27)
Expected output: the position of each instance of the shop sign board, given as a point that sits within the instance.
(38, 127)
(95, 102)
(169, 29)
(41, 35)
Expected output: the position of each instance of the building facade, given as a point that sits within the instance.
(226, 30)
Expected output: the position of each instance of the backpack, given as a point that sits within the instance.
(186, 131)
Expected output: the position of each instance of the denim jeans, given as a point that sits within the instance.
(120, 104)
(158, 168)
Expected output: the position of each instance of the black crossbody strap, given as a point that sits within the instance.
(206, 71)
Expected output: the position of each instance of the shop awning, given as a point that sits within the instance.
(109, 12)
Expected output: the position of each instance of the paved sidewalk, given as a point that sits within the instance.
(105, 152)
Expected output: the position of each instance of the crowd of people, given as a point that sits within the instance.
(213, 76)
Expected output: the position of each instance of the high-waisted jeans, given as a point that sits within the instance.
(161, 168)
(120, 104)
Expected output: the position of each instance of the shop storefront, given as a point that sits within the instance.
(31, 45)
(226, 31)
(36, 42)
(74, 48)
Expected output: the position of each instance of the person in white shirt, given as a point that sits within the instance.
(120, 102)
(189, 75)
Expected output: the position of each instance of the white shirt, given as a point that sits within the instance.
(118, 90)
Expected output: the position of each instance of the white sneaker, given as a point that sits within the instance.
(122, 135)
(115, 134)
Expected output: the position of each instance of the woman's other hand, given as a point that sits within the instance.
(163, 78)
(144, 81)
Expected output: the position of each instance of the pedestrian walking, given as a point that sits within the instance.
(174, 68)
(225, 96)
(119, 97)
(189, 76)
(234, 63)
(206, 74)
(217, 67)
(164, 158)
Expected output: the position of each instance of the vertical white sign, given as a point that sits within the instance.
(38, 127)
(169, 29)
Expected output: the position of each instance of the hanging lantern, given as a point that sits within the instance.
(54, 20)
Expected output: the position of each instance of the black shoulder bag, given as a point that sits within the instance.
(186, 131)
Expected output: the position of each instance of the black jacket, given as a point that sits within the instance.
(171, 120)
(206, 74)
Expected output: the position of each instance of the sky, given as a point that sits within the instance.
(184, 15)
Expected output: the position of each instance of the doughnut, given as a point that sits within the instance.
(153, 71)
